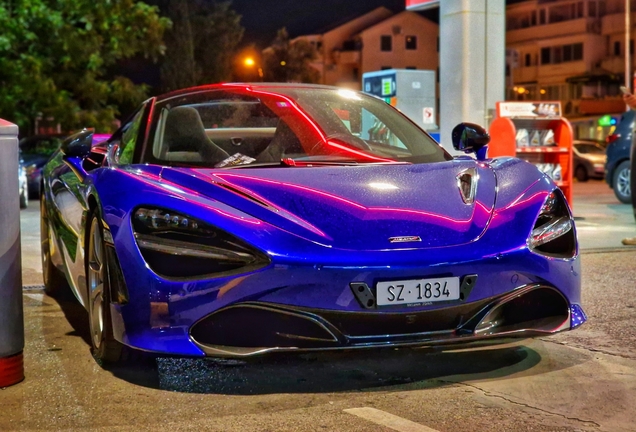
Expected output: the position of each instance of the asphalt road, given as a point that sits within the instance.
(583, 380)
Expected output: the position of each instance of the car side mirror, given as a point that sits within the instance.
(79, 144)
(471, 138)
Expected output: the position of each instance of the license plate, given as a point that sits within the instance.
(417, 291)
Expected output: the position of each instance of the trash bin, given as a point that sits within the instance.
(11, 315)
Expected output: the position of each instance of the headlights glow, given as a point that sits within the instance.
(179, 246)
(553, 231)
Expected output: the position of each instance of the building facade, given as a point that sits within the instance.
(572, 51)
(375, 41)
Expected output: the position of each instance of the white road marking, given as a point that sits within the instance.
(389, 420)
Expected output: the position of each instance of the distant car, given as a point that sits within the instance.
(589, 160)
(36, 150)
(238, 219)
(619, 145)
(23, 185)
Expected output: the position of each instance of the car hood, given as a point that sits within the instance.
(595, 158)
(370, 207)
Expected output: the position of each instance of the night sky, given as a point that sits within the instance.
(262, 18)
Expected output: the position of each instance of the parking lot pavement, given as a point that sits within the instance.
(601, 220)
(577, 381)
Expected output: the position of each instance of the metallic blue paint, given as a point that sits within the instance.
(323, 228)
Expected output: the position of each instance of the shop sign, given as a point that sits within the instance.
(529, 109)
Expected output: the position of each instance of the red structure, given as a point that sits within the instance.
(534, 116)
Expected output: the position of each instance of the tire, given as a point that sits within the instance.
(24, 198)
(54, 280)
(106, 349)
(581, 173)
(621, 183)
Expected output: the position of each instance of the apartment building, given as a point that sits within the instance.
(572, 51)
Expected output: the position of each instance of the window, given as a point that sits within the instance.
(562, 53)
(129, 134)
(528, 61)
(411, 42)
(545, 55)
(385, 67)
(542, 16)
(411, 68)
(617, 48)
(591, 9)
(386, 43)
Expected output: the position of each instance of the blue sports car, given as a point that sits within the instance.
(238, 219)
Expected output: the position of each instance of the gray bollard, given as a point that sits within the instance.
(11, 318)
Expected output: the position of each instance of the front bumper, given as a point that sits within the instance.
(255, 328)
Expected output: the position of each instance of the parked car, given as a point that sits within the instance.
(618, 153)
(36, 150)
(23, 184)
(239, 219)
(589, 160)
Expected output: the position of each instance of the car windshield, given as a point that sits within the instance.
(284, 126)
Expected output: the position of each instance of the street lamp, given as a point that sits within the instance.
(250, 63)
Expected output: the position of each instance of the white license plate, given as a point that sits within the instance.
(417, 291)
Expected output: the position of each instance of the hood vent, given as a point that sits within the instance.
(467, 184)
(245, 194)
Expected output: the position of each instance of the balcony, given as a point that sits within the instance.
(525, 74)
(601, 106)
(615, 64)
(613, 22)
(547, 31)
(348, 57)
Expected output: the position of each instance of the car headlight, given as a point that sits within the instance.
(553, 232)
(178, 246)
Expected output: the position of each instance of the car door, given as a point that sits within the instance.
(69, 192)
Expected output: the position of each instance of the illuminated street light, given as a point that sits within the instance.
(249, 61)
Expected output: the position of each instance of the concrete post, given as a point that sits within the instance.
(11, 318)
(472, 62)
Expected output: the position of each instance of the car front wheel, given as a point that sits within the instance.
(621, 183)
(105, 348)
(54, 280)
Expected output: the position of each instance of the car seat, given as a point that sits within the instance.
(185, 139)
(283, 142)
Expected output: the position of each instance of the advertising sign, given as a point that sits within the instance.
(428, 115)
(529, 109)
(383, 86)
